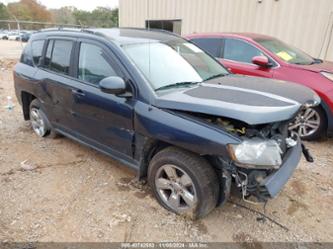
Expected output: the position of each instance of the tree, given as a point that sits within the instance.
(29, 10)
(99, 17)
(63, 15)
(32, 10)
(3, 15)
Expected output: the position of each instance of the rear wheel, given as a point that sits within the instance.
(183, 182)
(310, 124)
(39, 121)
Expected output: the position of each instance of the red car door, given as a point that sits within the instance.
(237, 56)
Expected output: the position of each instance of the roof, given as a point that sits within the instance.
(121, 35)
(252, 36)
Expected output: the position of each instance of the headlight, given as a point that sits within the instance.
(256, 153)
(327, 75)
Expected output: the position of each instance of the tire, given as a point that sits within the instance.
(39, 122)
(204, 187)
(319, 121)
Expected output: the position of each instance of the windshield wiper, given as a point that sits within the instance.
(303, 63)
(317, 61)
(178, 84)
(216, 76)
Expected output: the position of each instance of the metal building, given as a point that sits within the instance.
(306, 24)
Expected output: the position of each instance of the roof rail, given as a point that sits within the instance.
(64, 29)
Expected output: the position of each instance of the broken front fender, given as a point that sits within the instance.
(182, 131)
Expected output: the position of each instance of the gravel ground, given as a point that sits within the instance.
(58, 190)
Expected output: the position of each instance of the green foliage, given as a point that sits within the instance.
(3, 15)
(99, 17)
(3, 12)
(63, 15)
(32, 10)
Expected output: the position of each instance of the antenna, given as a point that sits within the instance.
(148, 20)
(148, 38)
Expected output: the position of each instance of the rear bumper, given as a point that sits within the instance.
(273, 183)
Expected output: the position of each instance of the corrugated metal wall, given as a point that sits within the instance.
(306, 24)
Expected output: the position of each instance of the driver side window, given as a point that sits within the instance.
(93, 64)
(241, 51)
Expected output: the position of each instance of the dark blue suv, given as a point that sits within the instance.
(162, 106)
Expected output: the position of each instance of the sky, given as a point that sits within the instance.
(80, 4)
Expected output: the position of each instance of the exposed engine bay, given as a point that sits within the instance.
(261, 153)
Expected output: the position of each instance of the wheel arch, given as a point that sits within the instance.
(150, 147)
(26, 98)
(329, 116)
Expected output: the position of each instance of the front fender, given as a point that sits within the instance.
(193, 135)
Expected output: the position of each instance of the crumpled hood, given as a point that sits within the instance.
(326, 66)
(250, 99)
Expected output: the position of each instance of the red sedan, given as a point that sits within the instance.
(264, 56)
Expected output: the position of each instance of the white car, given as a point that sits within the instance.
(13, 36)
(4, 35)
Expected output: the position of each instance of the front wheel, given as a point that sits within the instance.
(183, 182)
(310, 123)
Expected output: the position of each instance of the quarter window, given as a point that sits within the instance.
(238, 50)
(93, 64)
(58, 56)
(37, 51)
(48, 54)
(211, 45)
(26, 57)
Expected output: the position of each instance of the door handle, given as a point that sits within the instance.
(78, 92)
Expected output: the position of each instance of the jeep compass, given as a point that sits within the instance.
(166, 109)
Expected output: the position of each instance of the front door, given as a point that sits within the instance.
(238, 55)
(105, 120)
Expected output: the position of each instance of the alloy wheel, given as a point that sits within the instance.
(37, 122)
(176, 188)
(306, 123)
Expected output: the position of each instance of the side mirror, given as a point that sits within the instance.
(261, 61)
(113, 85)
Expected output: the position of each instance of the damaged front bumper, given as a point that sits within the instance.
(264, 184)
(272, 184)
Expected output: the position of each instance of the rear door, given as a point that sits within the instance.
(105, 120)
(55, 74)
(237, 56)
(213, 46)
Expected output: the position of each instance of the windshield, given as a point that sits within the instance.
(173, 63)
(287, 53)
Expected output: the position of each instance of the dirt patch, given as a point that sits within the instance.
(7, 64)
(299, 187)
(295, 206)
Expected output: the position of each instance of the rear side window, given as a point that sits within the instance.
(211, 45)
(26, 57)
(58, 56)
(93, 64)
(241, 51)
(37, 51)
